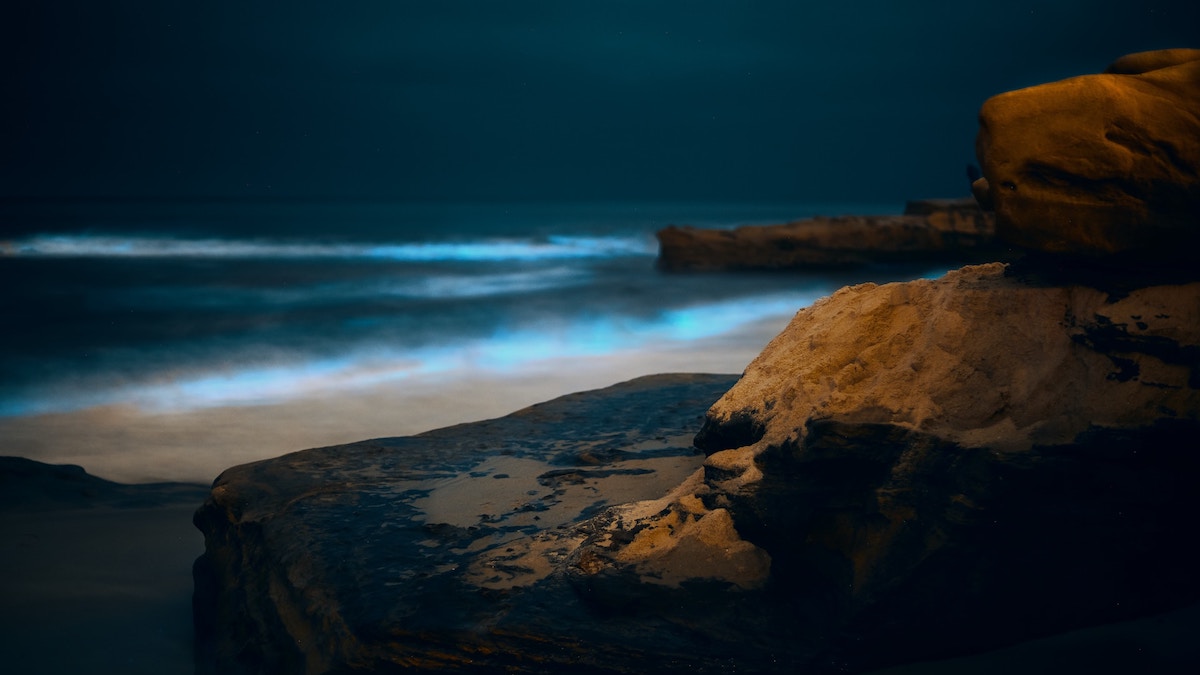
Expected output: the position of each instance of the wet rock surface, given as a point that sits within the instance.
(449, 551)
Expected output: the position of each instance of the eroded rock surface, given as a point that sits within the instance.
(929, 230)
(1099, 164)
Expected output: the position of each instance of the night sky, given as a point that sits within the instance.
(531, 100)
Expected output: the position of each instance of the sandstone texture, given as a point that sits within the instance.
(1099, 164)
(929, 230)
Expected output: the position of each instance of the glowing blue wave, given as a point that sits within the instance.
(506, 352)
(425, 287)
(515, 249)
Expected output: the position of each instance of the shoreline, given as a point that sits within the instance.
(194, 446)
(109, 572)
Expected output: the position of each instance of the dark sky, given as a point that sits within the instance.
(531, 100)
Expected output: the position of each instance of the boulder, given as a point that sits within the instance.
(949, 465)
(1101, 164)
(928, 231)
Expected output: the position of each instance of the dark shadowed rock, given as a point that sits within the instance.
(1099, 164)
(929, 230)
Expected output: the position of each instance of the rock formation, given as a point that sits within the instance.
(929, 230)
(1101, 164)
(968, 461)
(444, 552)
(908, 471)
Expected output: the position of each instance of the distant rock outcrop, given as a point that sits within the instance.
(929, 230)
(1101, 164)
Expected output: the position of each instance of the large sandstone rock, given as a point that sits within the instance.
(952, 464)
(1099, 164)
(929, 230)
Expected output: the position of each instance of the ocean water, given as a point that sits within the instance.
(170, 340)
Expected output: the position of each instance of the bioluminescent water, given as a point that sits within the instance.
(168, 341)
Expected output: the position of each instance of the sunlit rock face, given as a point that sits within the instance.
(929, 230)
(968, 461)
(1099, 164)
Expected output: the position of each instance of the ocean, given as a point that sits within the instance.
(168, 340)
